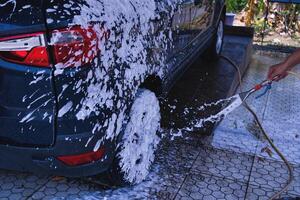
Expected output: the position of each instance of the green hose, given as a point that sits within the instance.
(294, 74)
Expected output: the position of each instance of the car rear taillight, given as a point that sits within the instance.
(71, 47)
(28, 49)
(75, 46)
(81, 159)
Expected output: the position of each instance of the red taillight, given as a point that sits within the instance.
(28, 49)
(76, 160)
(75, 46)
(71, 47)
(19, 54)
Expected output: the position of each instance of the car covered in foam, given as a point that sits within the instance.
(80, 80)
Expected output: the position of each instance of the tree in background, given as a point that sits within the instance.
(236, 5)
(282, 17)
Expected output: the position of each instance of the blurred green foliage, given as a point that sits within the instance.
(235, 6)
(282, 17)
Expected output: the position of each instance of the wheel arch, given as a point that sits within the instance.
(223, 16)
(221, 6)
(153, 83)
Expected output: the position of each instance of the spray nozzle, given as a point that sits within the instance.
(267, 84)
(267, 88)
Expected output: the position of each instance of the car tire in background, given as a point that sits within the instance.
(136, 151)
(215, 49)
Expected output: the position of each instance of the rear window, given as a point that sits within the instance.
(17, 14)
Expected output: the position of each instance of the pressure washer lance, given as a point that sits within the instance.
(238, 99)
(241, 99)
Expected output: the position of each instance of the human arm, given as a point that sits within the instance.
(280, 71)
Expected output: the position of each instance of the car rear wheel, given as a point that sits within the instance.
(135, 153)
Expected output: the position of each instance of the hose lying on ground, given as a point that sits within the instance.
(294, 74)
(291, 174)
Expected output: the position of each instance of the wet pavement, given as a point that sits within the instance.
(227, 164)
(234, 153)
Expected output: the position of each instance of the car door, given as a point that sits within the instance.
(202, 13)
(191, 19)
(26, 95)
(181, 22)
(181, 38)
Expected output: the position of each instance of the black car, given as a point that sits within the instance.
(80, 80)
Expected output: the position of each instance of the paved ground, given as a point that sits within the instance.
(226, 165)
(231, 165)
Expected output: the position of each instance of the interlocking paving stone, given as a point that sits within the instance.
(171, 166)
(236, 140)
(202, 186)
(286, 136)
(223, 164)
(273, 174)
(255, 192)
(14, 185)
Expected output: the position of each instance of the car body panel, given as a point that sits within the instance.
(43, 160)
(26, 95)
(86, 104)
(13, 22)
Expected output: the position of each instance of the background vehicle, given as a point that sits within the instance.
(74, 79)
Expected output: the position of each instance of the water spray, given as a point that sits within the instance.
(232, 103)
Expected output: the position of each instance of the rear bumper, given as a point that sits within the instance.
(44, 160)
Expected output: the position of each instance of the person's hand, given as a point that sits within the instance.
(278, 72)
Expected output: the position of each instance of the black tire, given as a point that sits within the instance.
(138, 138)
(215, 49)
